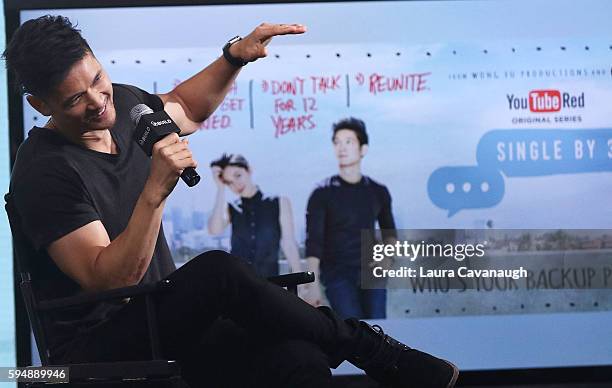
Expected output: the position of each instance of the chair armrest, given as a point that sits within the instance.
(103, 296)
(292, 279)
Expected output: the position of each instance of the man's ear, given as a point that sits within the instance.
(39, 105)
(364, 150)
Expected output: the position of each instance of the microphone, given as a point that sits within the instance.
(152, 127)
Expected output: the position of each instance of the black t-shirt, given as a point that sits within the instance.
(336, 214)
(58, 186)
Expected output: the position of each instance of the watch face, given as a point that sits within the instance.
(234, 39)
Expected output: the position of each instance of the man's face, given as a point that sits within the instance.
(83, 101)
(237, 179)
(347, 148)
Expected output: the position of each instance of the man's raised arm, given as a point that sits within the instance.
(195, 99)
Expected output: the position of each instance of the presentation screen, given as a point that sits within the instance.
(481, 116)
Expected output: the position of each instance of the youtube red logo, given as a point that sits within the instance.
(541, 101)
(545, 101)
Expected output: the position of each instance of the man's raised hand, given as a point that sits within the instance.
(253, 46)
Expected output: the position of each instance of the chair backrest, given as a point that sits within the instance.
(23, 252)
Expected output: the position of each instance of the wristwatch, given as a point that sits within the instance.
(239, 62)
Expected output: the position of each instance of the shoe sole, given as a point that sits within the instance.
(453, 379)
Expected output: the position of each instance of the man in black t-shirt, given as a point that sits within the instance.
(90, 205)
(339, 209)
(60, 188)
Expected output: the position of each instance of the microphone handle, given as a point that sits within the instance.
(190, 176)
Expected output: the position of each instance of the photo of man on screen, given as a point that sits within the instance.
(338, 210)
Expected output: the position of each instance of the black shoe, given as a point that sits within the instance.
(394, 364)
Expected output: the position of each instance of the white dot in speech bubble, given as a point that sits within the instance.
(467, 187)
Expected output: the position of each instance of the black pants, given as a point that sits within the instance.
(228, 328)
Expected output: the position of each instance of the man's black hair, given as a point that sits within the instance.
(226, 160)
(41, 53)
(355, 125)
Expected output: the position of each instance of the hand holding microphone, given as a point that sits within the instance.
(156, 131)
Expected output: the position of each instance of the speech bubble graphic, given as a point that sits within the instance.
(465, 187)
(538, 152)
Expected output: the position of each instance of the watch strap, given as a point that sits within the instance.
(238, 62)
